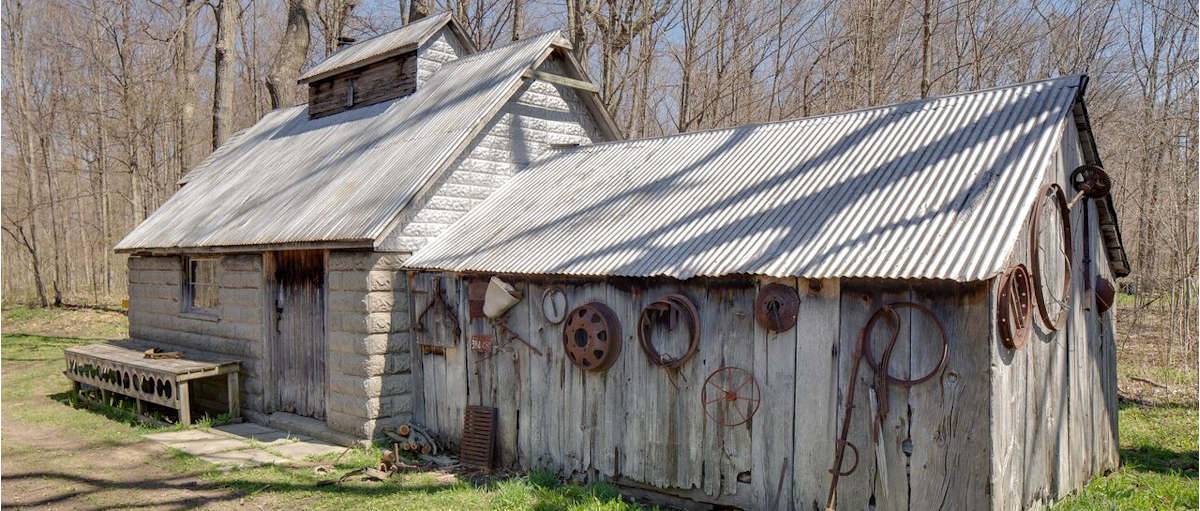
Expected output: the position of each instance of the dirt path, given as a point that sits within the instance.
(56, 457)
(48, 469)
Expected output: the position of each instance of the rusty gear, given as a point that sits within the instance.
(592, 336)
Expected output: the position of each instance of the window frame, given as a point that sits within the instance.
(190, 284)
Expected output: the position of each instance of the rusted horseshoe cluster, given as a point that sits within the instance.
(1014, 307)
(592, 336)
(666, 308)
(776, 307)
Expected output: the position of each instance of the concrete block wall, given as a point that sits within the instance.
(539, 115)
(367, 317)
(156, 315)
(438, 50)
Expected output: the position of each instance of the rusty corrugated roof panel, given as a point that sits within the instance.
(932, 189)
(343, 177)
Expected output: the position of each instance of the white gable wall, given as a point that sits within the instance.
(539, 115)
(438, 50)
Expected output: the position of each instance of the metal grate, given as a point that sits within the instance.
(479, 437)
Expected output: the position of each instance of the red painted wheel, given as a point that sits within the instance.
(730, 396)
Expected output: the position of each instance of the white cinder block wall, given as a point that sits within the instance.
(156, 315)
(539, 115)
(366, 329)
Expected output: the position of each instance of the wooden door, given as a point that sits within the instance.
(298, 364)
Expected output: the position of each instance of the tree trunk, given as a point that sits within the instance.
(518, 19)
(289, 59)
(419, 9)
(222, 123)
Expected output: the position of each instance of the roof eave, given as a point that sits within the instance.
(1110, 231)
(261, 247)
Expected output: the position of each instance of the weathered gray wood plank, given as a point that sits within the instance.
(815, 412)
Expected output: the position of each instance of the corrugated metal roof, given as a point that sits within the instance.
(411, 34)
(291, 179)
(932, 189)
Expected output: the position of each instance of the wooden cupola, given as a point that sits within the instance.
(384, 67)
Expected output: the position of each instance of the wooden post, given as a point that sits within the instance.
(105, 397)
(139, 406)
(185, 404)
(235, 399)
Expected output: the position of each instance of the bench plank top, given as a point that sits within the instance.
(133, 353)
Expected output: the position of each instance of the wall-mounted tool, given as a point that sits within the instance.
(1092, 182)
(438, 300)
(730, 396)
(554, 305)
(476, 294)
(1051, 248)
(672, 309)
(883, 379)
(592, 336)
(1014, 314)
(776, 307)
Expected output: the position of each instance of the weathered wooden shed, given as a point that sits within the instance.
(654, 345)
(284, 248)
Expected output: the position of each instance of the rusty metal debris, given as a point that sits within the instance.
(481, 344)
(1053, 195)
(730, 396)
(592, 336)
(476, 295)
(1106, 294)
(157, 353)
(670, 308)
(776, 307)
(880, 387)
(1014, 307)
(439, 298)
(479, 437)
(513, 336)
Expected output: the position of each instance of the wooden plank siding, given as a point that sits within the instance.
(645, 426)
(1054, 409)
(387, 79)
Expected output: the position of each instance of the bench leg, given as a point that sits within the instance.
(139, 406)
(235, 397)
(106, 397)
(185, 404)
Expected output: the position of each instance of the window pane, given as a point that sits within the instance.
(202, 290)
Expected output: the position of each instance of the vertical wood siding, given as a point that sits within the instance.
(299, 353)
(1054, 402)
(640, 424)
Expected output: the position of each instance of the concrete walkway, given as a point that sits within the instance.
(245, 445)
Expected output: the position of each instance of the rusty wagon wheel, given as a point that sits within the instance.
(1049, 243)
(592, 336)
(730, 396)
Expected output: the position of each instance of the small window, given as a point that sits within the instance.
(350, 94)
(200, 285)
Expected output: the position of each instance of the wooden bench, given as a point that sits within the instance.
(122, 368)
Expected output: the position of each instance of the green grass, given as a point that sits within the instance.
(1158, 463)
(1158, 456)
(35, 393)
(22, 312)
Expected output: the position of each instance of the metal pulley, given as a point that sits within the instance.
(1089, 181)
(730, 396)
(592, 336)
(776, 307)
(1014, 307)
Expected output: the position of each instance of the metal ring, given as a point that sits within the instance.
(891, 308)
(1052, 324)
(665, 304)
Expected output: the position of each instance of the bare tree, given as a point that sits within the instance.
(289, 58)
